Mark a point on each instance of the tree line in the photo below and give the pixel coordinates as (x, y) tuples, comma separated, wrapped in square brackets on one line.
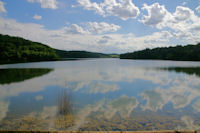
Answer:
[(181, 53), (16, 49)]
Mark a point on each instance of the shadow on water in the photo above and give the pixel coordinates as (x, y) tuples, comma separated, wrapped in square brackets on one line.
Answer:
[(12, 75), (186, 70), (65, 113)]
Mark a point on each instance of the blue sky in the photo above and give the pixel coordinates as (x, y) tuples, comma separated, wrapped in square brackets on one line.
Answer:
[(109, 26)]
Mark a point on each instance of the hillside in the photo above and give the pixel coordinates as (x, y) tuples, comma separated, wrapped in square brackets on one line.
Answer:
[(180, 53), (16, 49), (80, 54)]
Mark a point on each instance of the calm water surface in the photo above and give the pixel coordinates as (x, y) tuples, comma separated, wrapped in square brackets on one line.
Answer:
[(100, 94)]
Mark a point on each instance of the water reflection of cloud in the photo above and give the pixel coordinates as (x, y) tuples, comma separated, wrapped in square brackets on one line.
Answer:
[(85, 112), (3, 109), (180, 93), (33, 85), (154, 100), (129, 74), (124, 105), (92, 87), (47, 116), (179, 85), (84, 76), (38, 98), (180, 101), (179, 89), (196, 106), (76, 86), (100, 87), (46, 113), (189, 124)]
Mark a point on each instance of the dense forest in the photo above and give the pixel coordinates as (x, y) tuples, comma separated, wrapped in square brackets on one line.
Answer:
[(16, 49), (181, 53), (80, 54)]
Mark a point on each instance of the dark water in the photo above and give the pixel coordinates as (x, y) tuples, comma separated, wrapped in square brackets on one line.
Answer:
[(101, 94)]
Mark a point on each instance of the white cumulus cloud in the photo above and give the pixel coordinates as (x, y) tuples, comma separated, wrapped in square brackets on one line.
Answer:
[(88, 5), (2, 8), (182, 13), (124, 9), (77, 37), (198, 9), (75, 29), (46, 3), (101, 27), (92, 28), (183, 22), (156, 15)]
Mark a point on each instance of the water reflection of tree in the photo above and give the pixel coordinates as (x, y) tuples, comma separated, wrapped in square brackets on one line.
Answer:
[(12, 75), (65, 115), (186, 70)]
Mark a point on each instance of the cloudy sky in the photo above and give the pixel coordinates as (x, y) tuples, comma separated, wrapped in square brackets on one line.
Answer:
[(109, 26)]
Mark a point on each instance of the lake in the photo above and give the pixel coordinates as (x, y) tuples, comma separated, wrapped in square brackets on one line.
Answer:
[(100, 94)]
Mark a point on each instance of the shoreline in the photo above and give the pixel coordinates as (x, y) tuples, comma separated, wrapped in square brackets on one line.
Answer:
[(161, 131)]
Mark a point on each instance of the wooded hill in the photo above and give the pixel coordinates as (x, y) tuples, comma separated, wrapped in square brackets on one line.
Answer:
[(80, 54), (16, 49), (180, 53)]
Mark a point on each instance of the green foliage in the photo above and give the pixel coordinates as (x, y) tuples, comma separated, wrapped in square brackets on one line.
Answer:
[(15, 49), (8, 76), (181, 53), (114, 55), (80, 54)]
